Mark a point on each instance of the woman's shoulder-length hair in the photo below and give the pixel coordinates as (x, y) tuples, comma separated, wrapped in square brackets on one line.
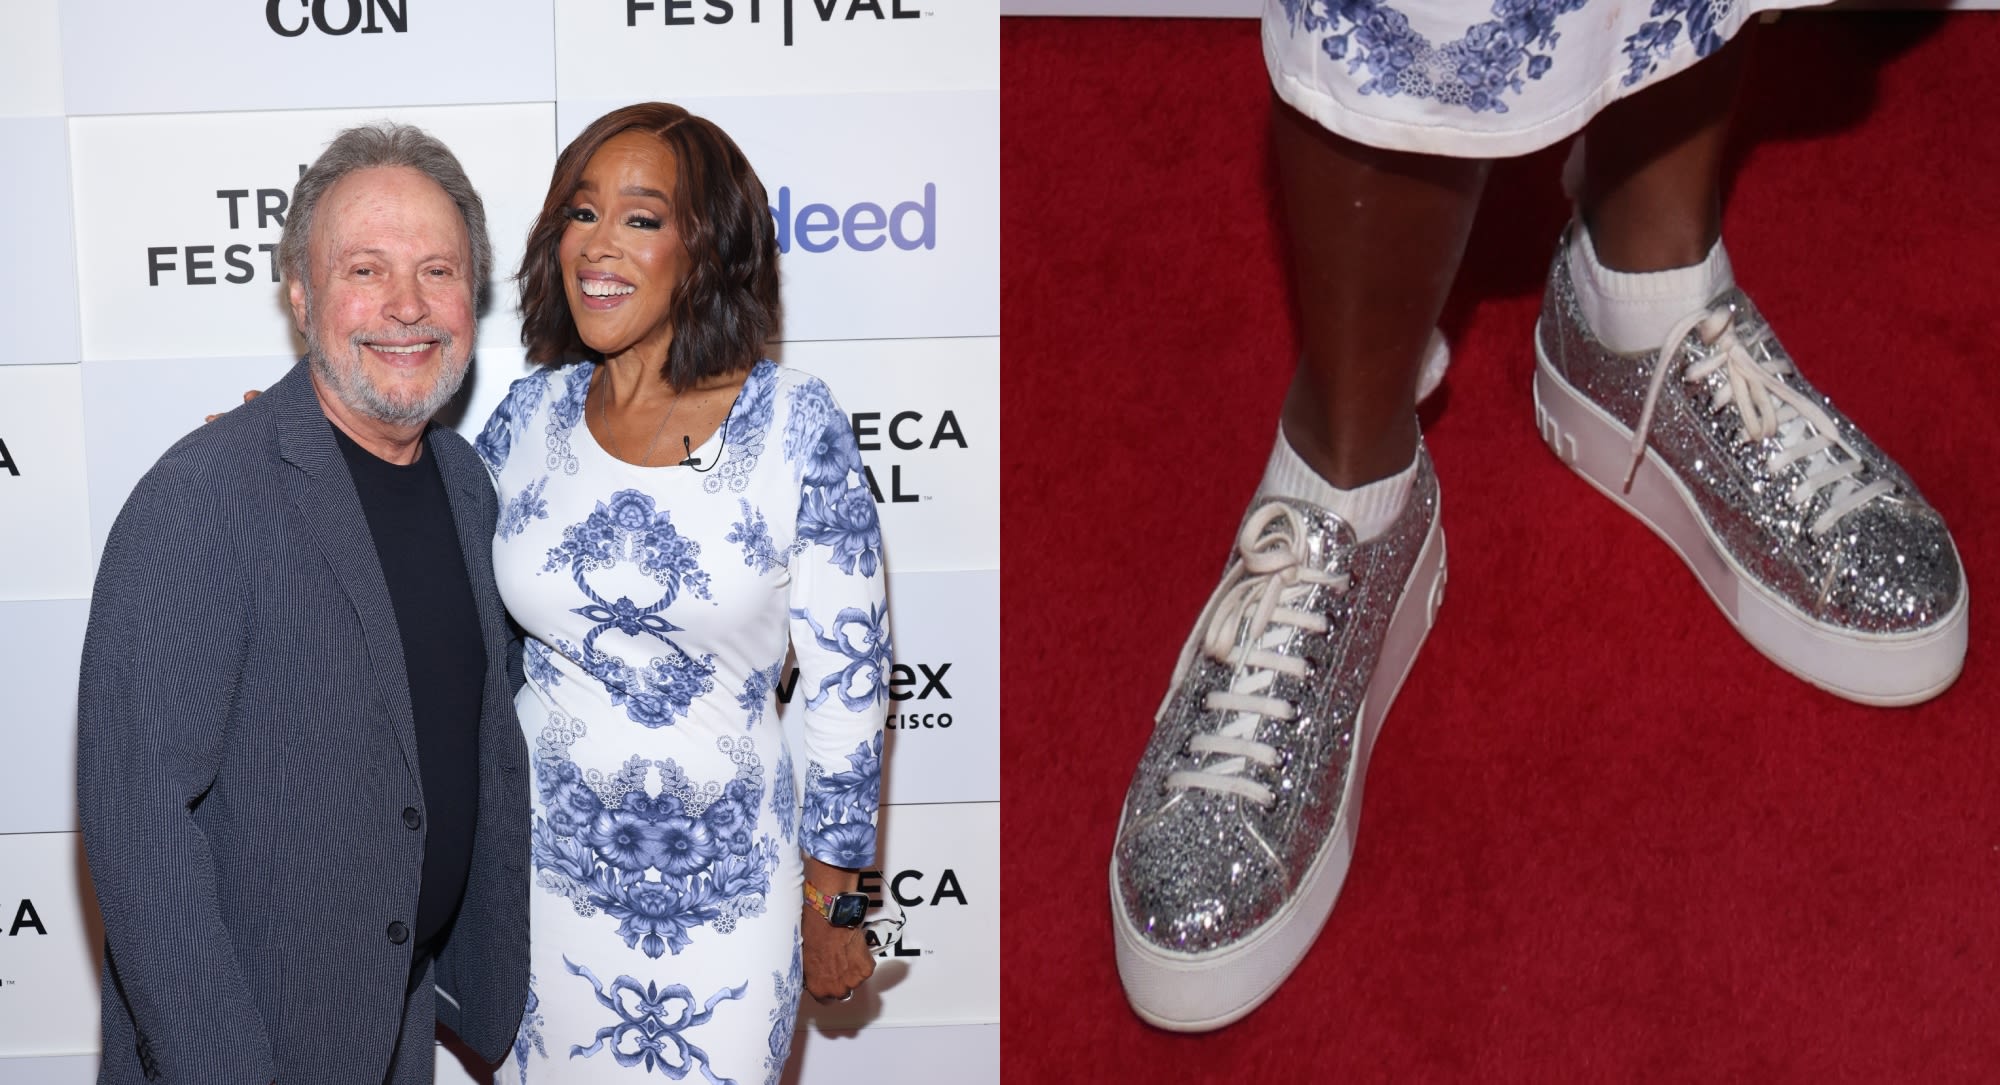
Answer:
[(726, 307)]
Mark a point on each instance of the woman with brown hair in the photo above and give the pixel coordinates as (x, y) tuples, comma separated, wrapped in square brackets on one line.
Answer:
[(677, 512)]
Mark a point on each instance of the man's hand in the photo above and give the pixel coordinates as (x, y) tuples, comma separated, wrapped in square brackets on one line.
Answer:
[(247, 397)]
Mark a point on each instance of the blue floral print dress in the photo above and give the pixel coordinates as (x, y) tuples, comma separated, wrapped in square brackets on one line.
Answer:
[(659, 603), (1483, 78)]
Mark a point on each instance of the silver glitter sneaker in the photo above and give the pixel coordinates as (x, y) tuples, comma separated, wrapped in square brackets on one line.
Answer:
[(1816, 546), (1240, 820)]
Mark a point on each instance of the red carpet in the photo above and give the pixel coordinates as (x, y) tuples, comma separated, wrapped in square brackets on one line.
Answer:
[(1604, 840)]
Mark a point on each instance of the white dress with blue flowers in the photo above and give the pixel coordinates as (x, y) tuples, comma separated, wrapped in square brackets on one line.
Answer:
[(658, 604), (1483, 78)]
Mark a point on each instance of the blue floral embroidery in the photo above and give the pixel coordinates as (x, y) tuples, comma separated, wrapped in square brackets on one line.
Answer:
[(784, 1016), (759, 552), (862, 637), (649, 1018), (1654, 41), (523, 507), (743, 433), (818, 439), (840, 807), (662, 864), (849, 844), (785, 795), (538, 661), (849, 795), (496, 440), (844, 521), (564, 414), (529, 1038), (654, 695), (1475, 72), (628, 529), (756, 690)]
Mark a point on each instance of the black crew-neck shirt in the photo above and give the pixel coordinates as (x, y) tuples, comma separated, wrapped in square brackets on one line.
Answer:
[(416, 540)]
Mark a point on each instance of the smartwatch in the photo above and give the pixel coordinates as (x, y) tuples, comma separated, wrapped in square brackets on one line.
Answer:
[(839, 909)]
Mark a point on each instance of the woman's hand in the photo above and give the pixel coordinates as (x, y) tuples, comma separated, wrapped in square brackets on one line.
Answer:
[(836, 959), (247, 397)]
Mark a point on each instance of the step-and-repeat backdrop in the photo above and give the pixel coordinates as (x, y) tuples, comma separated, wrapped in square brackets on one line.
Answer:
[(148, 151)]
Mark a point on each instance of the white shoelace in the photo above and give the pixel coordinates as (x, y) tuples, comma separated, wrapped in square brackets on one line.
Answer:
[(1770, 408), (1249, 620)]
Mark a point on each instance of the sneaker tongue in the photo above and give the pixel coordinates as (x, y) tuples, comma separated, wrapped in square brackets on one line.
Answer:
[(1327, 541)]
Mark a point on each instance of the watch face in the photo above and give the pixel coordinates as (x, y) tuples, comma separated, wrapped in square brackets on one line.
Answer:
[(849, 909)]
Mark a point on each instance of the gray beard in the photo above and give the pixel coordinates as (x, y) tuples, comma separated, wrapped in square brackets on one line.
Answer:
[(350, 384)]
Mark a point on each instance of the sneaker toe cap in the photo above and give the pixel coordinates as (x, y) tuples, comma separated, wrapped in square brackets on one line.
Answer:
[(1198, 876), (1898, 571)]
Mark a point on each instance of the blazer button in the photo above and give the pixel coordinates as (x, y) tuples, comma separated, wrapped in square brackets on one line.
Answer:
[(411, 818), (398, 934)]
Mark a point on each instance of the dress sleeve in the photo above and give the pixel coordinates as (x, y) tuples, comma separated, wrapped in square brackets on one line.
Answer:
[(840, 635), (162, 658)]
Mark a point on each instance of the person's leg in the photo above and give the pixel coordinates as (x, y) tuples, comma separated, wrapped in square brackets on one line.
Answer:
[(1376, 238), (1238, 824), (1652, 189), (1814, 543)]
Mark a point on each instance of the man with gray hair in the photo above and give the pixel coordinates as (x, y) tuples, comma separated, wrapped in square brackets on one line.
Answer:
[(300, 778)]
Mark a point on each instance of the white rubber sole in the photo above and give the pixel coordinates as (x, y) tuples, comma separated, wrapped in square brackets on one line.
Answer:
[(1203, 992), (1872, 669)]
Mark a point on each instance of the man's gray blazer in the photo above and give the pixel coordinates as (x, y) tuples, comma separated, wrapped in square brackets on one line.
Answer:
[(247, 773)]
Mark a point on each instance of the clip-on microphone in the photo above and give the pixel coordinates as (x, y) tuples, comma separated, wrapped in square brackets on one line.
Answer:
[(688, 447)]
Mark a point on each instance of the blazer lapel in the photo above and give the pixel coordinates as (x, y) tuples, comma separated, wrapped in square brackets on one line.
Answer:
[(323, 492)]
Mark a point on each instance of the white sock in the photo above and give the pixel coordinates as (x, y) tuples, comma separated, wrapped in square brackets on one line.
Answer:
[(1369, 509), (1633, 311)]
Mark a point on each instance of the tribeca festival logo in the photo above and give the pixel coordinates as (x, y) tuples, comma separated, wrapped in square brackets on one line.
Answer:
[(907, 682), (868, 226), (196, 265), (719, 12), (292, 18), (887, 928), (7, 460), (26, 919), (906, 431)]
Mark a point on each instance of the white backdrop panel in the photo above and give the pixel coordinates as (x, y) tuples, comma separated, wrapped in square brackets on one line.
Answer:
[(38, 281), (926, 413), (191, 270), (44, 525), (52, 1070), (30, 61), (936, 897), (41, 643), (1248, 9), (637, 50), (888, 206), (138, 56), (48, 976), (943, 742), (136, 410), (959, 1054)]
